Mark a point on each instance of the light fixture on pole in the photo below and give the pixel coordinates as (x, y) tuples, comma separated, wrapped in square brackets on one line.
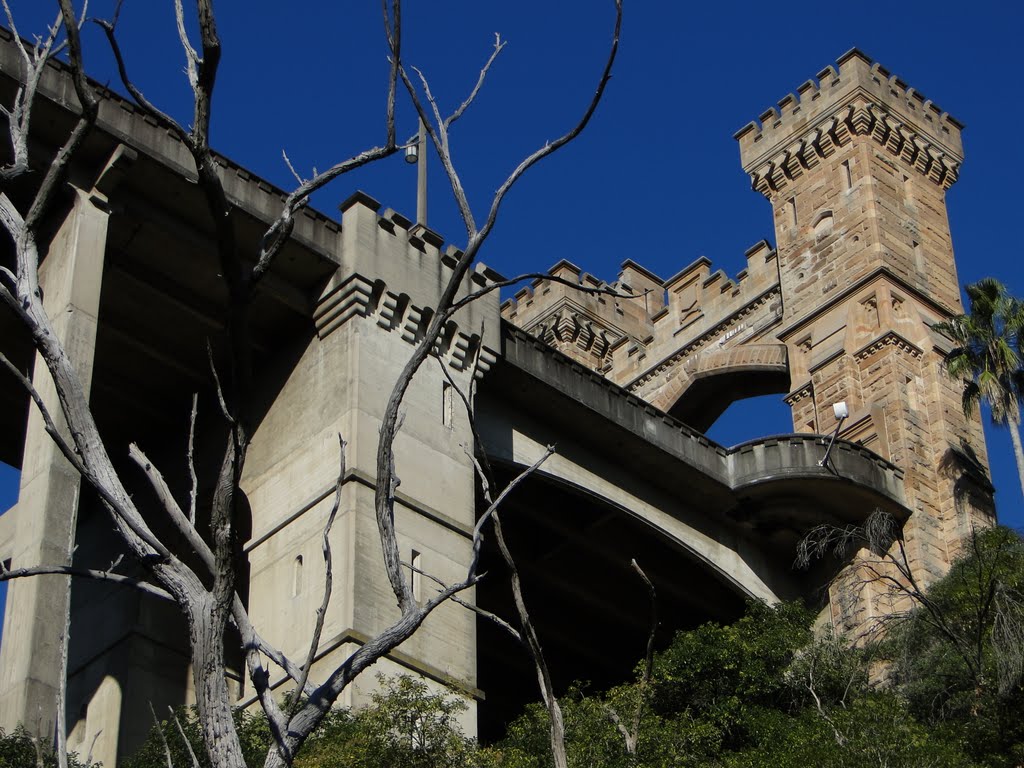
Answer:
[(841, 412), (416, 152)]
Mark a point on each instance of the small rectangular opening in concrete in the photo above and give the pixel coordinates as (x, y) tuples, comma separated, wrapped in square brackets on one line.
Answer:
[(3, 601), (297, 576), (417, 576), (447, 406)]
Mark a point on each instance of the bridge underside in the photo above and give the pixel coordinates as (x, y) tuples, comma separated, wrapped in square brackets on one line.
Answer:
[(711, 526), (590, 609)]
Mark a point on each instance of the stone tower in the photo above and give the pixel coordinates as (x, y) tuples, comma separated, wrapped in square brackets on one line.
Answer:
[(856, 167)]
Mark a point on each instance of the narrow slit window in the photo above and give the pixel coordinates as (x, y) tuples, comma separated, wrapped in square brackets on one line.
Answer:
[(911, 388), (6, 565), (918, 256), (847, 176), (791, 207), (447, 405), (417, 576), (297, 576)]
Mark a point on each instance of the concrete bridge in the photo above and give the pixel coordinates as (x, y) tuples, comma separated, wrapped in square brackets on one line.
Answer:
[(131, 268)]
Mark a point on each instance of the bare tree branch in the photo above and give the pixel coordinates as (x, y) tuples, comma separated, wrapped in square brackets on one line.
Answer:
[(184, 738), (194, 493), (206, 608), (532, 643), (321, 612), (163, 739), (57, 171), (631, 735), (6, 574), (499, 44), (191, 57), (61, 724), (224, 410), (492, 617), (184, 525), (604, 290), (55, 434)]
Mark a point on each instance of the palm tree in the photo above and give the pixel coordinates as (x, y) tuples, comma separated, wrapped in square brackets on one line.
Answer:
[(986, 356)]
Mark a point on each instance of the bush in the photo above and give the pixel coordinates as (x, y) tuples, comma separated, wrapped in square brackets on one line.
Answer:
[(20, 750)]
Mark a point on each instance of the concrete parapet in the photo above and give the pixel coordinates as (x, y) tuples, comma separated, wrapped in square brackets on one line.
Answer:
[(396, 272)]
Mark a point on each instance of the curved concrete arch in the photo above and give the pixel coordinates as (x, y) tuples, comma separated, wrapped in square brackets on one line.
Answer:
[(711, 380), (728, 556)]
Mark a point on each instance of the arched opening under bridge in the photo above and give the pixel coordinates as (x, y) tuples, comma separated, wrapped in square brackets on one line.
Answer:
[(590, 609)]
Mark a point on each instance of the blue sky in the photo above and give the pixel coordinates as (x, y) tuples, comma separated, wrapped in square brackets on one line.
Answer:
[(655, 178)]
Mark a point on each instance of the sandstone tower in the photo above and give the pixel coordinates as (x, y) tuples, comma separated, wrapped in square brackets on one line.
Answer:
[(856, 166)]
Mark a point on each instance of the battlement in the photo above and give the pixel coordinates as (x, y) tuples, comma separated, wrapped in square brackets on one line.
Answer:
[(395, 271), (642, 322), (855, 96)]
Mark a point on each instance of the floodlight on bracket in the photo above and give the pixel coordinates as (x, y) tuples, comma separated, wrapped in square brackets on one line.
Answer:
[(841, 413)]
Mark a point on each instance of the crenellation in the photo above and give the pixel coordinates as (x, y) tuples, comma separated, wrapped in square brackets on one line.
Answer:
[(860, 98)]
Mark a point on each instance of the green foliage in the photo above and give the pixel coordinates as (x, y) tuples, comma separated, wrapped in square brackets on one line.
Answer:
[(958, 660), (760, 693), (721, 672), (763, 692), (406, 726), (874, 729), (253, 734), (985, 357), (19, 750)]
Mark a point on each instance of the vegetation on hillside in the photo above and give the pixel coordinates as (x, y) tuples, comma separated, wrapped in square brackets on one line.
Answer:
[(765, 691)]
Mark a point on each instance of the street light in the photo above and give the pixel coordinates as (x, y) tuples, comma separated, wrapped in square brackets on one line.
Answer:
[(416, 153), (841, 413)]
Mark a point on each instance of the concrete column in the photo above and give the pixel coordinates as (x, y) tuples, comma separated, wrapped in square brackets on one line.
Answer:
[(42, 523)]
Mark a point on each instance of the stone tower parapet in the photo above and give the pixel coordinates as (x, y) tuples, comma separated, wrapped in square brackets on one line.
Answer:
[(647, 333), (856, 96)]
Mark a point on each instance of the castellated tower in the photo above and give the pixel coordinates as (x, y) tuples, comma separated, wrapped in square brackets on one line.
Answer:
[(856, 167)]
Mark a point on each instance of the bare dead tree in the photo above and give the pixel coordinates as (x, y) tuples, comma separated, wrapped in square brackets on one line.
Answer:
[(996, 625), (205, 591), (630, 729)]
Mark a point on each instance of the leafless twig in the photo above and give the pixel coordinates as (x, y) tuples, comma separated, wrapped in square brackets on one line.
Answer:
[(184, 738), (499, 45), (631, 734), (321, 612), (6, 574), (163, 739), (194, 493)]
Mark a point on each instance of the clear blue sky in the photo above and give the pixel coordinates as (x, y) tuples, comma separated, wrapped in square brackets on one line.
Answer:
[(656, 177)]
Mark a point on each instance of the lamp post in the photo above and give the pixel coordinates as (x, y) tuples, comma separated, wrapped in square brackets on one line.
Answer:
[(841, 412), (417, 153)]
